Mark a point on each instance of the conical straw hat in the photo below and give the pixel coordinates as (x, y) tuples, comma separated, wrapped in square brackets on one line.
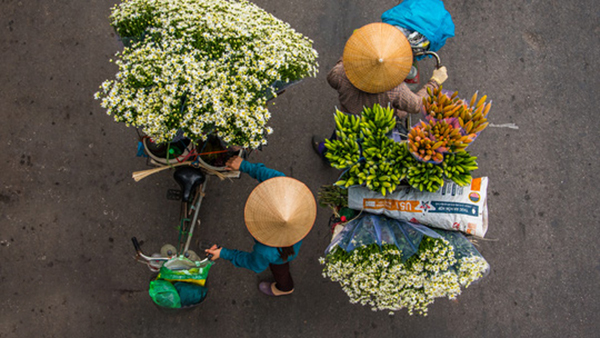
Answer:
[(377, 57), (280, 212)]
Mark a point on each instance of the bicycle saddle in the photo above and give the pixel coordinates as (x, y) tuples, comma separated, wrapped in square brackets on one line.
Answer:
[(188, 178)]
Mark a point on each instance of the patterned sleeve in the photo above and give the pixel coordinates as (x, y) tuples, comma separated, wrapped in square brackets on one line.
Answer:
[(405, 100), (334, 77)]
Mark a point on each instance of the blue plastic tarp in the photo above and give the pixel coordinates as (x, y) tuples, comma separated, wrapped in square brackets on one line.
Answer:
[(369, 229), (428, 17)]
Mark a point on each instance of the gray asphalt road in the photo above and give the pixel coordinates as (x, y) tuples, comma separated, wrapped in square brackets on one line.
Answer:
[(68, 205)]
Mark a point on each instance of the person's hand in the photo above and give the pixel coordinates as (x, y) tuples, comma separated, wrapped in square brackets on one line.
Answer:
[(440, 75), (234, 163), (215, 251)]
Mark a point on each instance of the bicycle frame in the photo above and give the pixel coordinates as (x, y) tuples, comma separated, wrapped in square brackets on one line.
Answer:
[(195, 210), (183, 258)]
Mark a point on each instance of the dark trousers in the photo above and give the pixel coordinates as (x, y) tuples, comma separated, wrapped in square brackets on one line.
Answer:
[(283, 278)]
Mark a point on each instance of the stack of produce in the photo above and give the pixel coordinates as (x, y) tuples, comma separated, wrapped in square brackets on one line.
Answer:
[(202, 67), (389, 264), (458, 167), (365, 150), (451, 125), (435, 149), (378, 266), (472, 117)]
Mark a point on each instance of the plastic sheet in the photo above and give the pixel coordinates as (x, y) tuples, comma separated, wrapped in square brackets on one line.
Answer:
[(428, 17), (369, 229), (184, 270), (406, 236)]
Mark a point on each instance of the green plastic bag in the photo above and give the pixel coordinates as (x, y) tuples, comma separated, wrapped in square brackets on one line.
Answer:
[(196, 274), (164, 294)]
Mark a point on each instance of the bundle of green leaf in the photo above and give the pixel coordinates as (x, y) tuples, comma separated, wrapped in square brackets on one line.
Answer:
[(380, 277), (333, 197), (202, 67)]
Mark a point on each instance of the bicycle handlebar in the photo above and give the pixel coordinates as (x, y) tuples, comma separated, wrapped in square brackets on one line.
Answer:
[(426, 52), (136, 245)]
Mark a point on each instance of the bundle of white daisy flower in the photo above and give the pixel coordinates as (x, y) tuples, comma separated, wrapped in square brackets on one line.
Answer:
[(202, 67), (380, 277)]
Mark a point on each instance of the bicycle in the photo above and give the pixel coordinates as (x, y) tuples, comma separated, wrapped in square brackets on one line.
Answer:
[(179, 263)]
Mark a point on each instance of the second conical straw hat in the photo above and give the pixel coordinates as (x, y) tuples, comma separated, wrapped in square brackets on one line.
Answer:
[(280, 211), (377, 57)]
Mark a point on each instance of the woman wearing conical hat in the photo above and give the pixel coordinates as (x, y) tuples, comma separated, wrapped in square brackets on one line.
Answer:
[(279, 213), (376, 60)]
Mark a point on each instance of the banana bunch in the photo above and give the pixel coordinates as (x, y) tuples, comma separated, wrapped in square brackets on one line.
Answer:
[(382, 177), (350, 177), (343, 152), (472, 116), (458, 167), (377, 120), (448, 132), (383, 168), (474, 121), (377, 147), (423, 146), (346, 125), (440, 106), (405, 159), (380, 171), (332, 196), (424, 176)]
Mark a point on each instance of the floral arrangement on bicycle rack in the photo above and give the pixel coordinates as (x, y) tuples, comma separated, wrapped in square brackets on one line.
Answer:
[(202, 67), (389, 265), (372, 156)]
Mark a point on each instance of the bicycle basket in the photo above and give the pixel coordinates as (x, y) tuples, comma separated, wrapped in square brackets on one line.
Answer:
[(181, 283)]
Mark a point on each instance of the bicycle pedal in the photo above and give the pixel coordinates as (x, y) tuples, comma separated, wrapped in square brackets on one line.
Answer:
[(174, 195)]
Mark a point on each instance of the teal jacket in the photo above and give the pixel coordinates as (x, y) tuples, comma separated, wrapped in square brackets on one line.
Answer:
[(262, 255)]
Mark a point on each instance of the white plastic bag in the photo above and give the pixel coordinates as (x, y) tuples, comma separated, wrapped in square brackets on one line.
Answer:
[(452, 207)]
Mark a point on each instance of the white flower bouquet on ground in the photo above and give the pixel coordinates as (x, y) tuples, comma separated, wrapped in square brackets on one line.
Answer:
[(389, 265), (202, 67)]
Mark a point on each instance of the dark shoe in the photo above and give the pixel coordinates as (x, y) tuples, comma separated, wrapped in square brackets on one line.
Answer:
[(318, 145), (270, 289)]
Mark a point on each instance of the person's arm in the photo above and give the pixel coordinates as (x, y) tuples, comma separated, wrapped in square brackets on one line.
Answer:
[(334, 77), (405, 101), (255, 170), (242, 259)]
